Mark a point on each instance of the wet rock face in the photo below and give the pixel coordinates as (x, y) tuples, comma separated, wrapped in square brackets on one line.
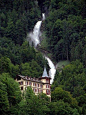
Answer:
[(41, 5), (40, 2), (44, 7)]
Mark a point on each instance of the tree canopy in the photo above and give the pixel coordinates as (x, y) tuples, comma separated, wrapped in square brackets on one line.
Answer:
[(65, 31)]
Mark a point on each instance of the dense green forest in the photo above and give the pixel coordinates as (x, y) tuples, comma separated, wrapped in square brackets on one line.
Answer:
[(65, 31)]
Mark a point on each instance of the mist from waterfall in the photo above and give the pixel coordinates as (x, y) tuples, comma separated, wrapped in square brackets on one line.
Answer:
[(34, 38)]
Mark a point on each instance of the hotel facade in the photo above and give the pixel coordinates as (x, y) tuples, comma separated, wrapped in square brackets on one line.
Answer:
[(38, 85)]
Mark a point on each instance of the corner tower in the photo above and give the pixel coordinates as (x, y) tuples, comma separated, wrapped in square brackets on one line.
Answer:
[(46, 83)]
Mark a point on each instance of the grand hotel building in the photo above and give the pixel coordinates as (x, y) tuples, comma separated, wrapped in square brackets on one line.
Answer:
[(38, 85)]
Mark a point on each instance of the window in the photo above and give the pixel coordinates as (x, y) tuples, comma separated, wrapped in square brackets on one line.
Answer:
[(37, 90), (30, 83), (21, 83), (47, 86), (34, 84), (26, 82), (47, 80), (48, 92), (37, 85), (21, 88), (41, 85), (41, 91)]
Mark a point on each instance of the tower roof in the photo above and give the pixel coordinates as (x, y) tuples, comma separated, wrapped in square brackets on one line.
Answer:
[(45, 73)]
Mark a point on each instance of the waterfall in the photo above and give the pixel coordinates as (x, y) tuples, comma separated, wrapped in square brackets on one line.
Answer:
[(52, 70), (43, 16), (33, 37)]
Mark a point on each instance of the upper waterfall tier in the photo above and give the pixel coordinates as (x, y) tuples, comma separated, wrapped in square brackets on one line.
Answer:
[(36, 32), (43, 16), (34, 36)]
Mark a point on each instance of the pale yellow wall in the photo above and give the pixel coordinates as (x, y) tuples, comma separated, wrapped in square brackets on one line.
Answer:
[(43, 80), (32, 84), (44, 86), (44, 91)]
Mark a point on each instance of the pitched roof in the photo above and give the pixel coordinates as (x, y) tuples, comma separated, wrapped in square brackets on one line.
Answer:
[(45, 73), (30, 79)]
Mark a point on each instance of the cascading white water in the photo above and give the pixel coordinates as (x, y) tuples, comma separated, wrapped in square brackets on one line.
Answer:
[(33, 37), (43, 16), (52, 70)]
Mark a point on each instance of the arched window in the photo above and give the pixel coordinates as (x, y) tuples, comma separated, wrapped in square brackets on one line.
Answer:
[(48, 92)]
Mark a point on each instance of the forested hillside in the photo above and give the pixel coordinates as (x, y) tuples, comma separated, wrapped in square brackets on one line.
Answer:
[(65, 36), (66, 29)]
